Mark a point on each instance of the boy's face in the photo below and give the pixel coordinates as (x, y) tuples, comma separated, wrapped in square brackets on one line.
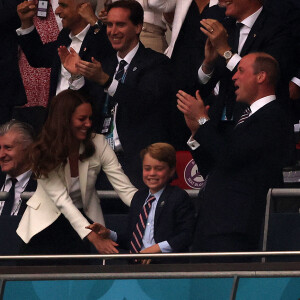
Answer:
[(156, 174)]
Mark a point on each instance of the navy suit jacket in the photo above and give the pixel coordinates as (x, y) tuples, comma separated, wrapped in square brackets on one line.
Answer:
[(41, 55), (173, 221), (143, 102), (11, 85), (9, 240), (268, 35), (241, 168)]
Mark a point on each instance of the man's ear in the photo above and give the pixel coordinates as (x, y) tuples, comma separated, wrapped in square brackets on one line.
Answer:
[(173, 170), (138, 28), (261, 77)]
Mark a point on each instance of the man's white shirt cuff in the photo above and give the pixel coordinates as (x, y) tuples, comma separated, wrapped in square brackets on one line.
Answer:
[(234, 60), (204, 78), (21, 31), (296, 81), (193, 144)]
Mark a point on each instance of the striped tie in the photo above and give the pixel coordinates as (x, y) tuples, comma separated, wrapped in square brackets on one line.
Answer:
[(137, 236), (244, 116)]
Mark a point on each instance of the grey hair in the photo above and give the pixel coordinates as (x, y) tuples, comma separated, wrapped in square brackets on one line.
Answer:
[(24, 129)]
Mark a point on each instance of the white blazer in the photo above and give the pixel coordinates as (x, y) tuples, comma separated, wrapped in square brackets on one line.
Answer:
[(52, 195), (182, 7)]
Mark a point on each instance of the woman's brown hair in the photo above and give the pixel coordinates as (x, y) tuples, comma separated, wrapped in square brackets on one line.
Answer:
[(55, 141)]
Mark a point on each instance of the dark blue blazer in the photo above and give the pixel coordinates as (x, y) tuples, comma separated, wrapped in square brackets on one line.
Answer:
[(95, 44), (269, 35), (173, 221), (241, 167), (143, 106), (11, 85), (10, 242)]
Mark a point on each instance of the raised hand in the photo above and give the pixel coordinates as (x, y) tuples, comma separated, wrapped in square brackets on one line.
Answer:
[(192, 108), (87, 13), (26, 11), (92, 71), (217, 34), (69, 59)]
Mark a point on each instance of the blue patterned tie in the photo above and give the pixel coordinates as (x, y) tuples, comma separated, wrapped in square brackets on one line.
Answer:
[(120, 71)]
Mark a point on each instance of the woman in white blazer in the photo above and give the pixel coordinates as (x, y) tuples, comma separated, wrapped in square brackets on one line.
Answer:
[(66, 160)]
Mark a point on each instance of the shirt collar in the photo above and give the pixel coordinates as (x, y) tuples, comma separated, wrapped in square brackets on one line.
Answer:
[(81, 35), (249, 21), (158, 194), (213, 2), (22, 179), (130, 55), (258, 104)]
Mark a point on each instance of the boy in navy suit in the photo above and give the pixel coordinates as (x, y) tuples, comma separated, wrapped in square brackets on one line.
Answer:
[(161, 217)]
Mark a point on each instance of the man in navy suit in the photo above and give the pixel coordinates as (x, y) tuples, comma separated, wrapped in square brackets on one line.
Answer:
[(249, 27), (242, 165), (137, 97), (11, 85), (81, 31), (15, 139)]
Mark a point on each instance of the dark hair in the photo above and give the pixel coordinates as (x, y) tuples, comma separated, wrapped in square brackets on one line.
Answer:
[(162, 152), (135, 8), (266, 63), (55, 142)]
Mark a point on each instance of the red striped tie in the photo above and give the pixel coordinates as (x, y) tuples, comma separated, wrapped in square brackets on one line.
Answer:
[(137, 236)]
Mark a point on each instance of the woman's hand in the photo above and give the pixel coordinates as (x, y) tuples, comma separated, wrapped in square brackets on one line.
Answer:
[(101, 230), (103, 246)]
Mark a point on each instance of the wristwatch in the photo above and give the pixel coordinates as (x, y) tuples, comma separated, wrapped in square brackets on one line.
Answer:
[(227, 54), (202, 120)]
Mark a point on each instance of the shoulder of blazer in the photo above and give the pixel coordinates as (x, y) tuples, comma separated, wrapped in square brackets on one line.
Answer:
[(173, 192), (2, 178), (147, 56)]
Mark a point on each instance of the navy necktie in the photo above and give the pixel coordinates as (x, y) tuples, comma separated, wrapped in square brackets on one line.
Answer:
[(137, 236), (235, 47), (9, 202), (120, 72)]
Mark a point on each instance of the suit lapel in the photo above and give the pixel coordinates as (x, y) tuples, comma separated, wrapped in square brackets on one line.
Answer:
[(254, 33), (67, 173), (161, 204), (136, 63), (31, 186), (85, 43), (2, 179), (257, 114), (83, 167)]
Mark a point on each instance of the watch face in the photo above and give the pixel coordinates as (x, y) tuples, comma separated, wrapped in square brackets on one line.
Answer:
[(202, 120), (227, 54)]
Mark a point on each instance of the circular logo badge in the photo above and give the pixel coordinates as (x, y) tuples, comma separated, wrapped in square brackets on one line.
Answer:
[(191, 175)]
